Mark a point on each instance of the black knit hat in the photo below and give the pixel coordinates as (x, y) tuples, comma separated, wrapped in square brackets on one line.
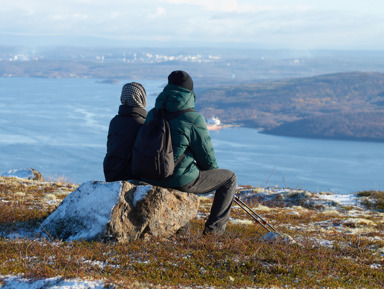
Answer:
[(181, 78)]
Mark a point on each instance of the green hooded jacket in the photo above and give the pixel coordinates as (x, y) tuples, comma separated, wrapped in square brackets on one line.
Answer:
[(189, 134)]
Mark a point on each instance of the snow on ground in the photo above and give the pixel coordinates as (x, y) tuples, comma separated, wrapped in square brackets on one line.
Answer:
[(19, 173), (298, 197), (345, 200), (15, 282)]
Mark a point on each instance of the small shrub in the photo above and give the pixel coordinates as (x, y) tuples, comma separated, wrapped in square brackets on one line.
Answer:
[(372, 199)]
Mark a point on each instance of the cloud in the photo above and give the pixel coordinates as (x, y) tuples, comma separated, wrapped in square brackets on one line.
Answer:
[(70, 17), (262, 22), (115, 14), (212, 5), (242, 6), (160, 12)]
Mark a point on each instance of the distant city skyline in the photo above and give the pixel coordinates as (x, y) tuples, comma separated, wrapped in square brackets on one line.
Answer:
[(259, 24)]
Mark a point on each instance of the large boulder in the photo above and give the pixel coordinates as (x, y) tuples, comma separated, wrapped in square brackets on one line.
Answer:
[(120, 211)]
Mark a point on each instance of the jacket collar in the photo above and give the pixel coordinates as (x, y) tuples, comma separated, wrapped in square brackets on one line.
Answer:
[(132, 111)]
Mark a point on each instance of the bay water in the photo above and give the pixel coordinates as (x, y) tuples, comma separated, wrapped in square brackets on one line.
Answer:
[(59, 127)]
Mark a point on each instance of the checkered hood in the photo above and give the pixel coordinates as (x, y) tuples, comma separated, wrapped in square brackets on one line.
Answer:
[(133, 94)]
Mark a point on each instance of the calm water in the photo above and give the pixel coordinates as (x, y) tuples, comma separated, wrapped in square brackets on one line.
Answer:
[(59, 127)]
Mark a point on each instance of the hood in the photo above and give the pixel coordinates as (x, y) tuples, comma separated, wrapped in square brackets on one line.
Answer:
[(179, 98)]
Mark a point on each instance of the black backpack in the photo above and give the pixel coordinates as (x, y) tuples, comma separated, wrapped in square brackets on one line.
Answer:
[(152, 155)]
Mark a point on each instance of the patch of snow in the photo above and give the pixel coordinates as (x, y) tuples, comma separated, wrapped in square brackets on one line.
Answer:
[(376, 266), (240, 221), (201, 215), (355, 213), (346, 200), (140, 193), (359, 222), (331, 212), (294, 214), (263, 208), (15, 282), (324, 243), (19, 173), (20, 234), (91, 204), (100, 264), (277, 237)]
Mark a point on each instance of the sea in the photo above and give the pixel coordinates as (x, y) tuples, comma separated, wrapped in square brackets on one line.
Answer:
[(59, 127)]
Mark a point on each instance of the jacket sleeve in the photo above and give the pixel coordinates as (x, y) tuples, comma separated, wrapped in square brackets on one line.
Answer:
[(201, 145)]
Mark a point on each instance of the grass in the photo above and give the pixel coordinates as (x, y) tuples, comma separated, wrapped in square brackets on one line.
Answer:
[(328, 255), (373, 199)]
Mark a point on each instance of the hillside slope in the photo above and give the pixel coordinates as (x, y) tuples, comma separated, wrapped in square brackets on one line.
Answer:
[(340, 244), (342, 105)]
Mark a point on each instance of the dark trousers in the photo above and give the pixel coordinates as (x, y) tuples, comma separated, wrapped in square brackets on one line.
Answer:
[(224, 183)]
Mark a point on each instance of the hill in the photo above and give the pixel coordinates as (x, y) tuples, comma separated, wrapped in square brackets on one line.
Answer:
[(348, 126), (341, 105)]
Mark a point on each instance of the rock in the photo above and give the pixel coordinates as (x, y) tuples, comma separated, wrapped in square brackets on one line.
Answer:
[(120, 211), (278, 237), (29, 174), (36, 176), (358, 223), (160, 213)]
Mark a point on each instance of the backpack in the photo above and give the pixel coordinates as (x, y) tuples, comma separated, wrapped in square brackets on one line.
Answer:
[(152, 154)]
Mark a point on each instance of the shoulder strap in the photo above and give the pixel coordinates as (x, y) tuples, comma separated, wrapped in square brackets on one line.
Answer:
[(170, 115), (180, 158), (173, 115)]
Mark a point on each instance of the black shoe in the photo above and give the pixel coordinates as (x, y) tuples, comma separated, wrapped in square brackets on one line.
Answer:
[(210, 232)]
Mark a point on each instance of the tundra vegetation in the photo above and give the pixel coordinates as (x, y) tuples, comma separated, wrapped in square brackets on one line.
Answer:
[(338, 246)]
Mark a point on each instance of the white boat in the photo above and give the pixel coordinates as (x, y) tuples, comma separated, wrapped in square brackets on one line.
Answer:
[(214, 123)]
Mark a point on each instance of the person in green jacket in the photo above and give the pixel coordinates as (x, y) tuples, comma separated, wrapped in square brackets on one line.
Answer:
[(198, 171)]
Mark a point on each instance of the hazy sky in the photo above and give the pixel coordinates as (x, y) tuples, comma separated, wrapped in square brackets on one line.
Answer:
[(309, 24)]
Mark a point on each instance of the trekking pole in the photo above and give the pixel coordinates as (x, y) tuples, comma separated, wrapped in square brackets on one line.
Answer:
[(254, 215)]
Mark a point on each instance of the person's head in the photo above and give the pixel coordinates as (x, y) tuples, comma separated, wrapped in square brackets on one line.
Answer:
[(133, 94), (180, 78)]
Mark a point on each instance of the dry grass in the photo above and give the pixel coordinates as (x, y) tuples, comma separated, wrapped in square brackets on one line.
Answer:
[(373, 199), (330, 254)]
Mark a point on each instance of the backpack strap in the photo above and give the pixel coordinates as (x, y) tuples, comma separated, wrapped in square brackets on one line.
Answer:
[(173, 115), (180, 158), (170, 115)]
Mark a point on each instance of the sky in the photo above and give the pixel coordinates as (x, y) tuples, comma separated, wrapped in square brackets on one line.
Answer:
[(294, 24)]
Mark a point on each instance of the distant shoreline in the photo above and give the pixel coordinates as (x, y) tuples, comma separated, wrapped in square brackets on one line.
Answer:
[(337, 138), (341, 138)]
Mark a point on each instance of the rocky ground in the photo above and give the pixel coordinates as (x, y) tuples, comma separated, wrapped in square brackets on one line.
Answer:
[(339, 242)]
